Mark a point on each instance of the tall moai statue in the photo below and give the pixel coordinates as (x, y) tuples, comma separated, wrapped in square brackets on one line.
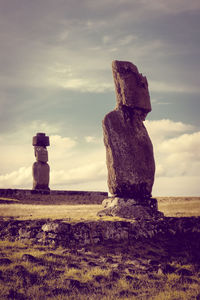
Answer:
[(129, 151), (40, 167)]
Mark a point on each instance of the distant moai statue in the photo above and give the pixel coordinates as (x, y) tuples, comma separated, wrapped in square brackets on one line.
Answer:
[(40, 167)]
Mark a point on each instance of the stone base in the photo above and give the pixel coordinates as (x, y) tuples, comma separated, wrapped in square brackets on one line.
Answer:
[(41, 187), (131, 208)]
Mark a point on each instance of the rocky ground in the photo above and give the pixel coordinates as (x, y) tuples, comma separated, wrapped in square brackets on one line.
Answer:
[(35, 264)]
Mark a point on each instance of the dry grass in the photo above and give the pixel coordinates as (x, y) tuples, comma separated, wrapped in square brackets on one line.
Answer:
[(171, 206), (62, 274), (56, 270), (25, 211)]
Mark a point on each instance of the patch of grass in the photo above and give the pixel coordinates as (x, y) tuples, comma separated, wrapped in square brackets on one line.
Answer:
[(66, 274), (171, 206), (8, 200), (179, 206)]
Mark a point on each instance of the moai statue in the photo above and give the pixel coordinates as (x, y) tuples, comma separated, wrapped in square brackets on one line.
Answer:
[(40, 167), (129, 151)]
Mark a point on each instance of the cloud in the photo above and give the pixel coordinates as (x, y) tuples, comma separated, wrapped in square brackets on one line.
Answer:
[(89, 173), (181, 155), (93, 140), (160, 130), (74, 164), (61, 150), (176, 152), (177, 157), (144, 8), (59, 143), (169, 87), (90, 139), (19, 178), (183, 186), (65, 46), (87, 85), (171, 6)]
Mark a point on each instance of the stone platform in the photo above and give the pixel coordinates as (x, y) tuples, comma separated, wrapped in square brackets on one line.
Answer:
[(83, 233), (53, 196), (131, 208)]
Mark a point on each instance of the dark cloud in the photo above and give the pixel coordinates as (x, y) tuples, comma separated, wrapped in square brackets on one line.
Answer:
[(51, 48)]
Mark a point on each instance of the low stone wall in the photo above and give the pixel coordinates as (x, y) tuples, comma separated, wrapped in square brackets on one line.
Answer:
[(53, 196), (81, 234)]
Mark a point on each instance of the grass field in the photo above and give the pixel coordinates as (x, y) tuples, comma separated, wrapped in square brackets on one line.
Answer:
[(37, 272), (174, 207), (148, 270)]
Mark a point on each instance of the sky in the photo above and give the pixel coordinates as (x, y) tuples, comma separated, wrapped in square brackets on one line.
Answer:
[(56, 77)]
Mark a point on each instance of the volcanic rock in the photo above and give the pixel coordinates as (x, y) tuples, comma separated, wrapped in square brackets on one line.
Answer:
[(40, 167), (129, 151)]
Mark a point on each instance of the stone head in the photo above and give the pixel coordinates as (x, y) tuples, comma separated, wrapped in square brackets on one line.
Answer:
[(131, 86), (41, 154)]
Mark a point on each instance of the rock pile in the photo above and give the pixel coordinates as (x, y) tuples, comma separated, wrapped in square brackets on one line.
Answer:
[(129, 151), (40, 167)]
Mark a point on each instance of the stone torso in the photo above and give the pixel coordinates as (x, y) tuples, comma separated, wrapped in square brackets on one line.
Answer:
[(129, 154), (40, 176)]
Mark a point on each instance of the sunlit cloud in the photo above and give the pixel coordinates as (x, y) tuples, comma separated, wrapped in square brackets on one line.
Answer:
[(158, 86), (176, 154), (160, 130), (93, 140), (19, 178), (87, 85)]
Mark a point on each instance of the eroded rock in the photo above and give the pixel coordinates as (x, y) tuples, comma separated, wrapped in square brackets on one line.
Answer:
[(130, 208), (131, 87)]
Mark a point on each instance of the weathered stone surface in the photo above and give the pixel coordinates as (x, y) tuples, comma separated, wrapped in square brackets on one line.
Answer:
[(129, 151), (29, 258), (41, 176), (100, 232), (129, 154), (41, 154), (56, 227), (116, 201), (131, 87), (41, 140), (130, 208), (40, 167)]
